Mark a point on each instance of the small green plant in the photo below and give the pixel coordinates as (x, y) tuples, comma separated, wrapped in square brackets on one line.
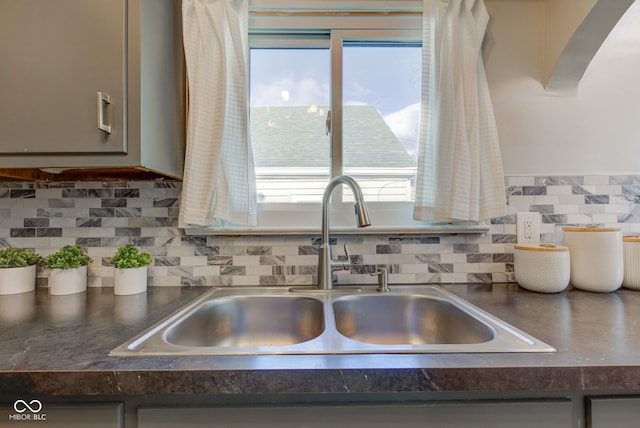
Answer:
[(128, 256), (18, 257), (68, 257)]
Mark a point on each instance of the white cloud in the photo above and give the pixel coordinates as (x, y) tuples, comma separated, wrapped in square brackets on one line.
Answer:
[(300, 93), (356, 90), (355, 103), (405, 124)]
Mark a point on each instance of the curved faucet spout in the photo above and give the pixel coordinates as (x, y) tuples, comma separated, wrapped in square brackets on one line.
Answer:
[(361, 207), (326, 265)]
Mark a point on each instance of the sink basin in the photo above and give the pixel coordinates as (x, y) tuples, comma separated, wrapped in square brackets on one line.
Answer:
[(249, 321), (407, 319), (274, 320)]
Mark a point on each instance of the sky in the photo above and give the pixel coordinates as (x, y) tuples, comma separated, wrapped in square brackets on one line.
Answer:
[(388, 78)]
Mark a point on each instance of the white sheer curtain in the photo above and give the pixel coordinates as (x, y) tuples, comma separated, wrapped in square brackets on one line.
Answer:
[(460, 175), (219, 186)]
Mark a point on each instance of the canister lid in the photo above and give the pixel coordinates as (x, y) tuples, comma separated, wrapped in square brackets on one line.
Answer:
[(590, 229), (631, 238), (541, 247)]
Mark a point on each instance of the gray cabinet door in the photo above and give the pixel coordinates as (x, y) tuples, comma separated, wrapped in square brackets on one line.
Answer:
[(613, 412), (55, 56), (503, 414), (29, 412)]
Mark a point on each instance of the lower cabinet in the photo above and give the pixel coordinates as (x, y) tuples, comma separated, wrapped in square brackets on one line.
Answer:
[(490, 414), (29, 412), (599, 412), (613, 412)]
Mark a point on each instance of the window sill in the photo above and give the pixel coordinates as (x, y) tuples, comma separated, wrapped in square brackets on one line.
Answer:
[(310, 231), (305, 219)]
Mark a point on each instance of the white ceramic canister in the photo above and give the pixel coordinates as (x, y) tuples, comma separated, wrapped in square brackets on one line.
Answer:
[(631, 249), (596, 257), (544, 268)]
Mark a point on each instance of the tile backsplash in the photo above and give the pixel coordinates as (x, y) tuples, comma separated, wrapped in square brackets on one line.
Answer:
[(100, 216)]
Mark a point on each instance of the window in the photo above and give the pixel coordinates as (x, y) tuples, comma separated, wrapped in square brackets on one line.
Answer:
[(289, 96), (334, 94), (381, 85), (293, 123)]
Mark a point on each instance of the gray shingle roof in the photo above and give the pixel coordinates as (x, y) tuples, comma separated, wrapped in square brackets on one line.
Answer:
[(369, 142)]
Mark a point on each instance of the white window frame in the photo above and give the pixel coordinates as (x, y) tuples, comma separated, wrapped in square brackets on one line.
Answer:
[(361, 22)]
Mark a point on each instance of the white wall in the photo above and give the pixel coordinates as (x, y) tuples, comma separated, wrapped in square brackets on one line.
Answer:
[(596, 131)]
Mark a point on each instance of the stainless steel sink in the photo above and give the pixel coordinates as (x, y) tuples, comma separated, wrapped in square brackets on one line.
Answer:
[(249, 321), (407, 319), (273, 320)]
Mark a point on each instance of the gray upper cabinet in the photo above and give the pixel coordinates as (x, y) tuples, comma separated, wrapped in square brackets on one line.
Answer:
[(56, 56), (91, 83)]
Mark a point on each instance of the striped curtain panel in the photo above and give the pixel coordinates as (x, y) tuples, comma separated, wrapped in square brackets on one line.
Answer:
[(219, 187), (460, 175)]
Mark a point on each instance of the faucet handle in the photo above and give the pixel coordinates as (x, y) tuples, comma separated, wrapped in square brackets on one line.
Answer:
[(340, 264), (347, 253), (383, 280)]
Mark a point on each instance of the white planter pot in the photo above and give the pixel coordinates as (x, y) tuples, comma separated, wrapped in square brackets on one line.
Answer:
[(17, 280), (67, 281), (130, 281)]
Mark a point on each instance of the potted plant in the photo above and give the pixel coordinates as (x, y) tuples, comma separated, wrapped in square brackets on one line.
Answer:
[(18, 270), (130, 276), (68, 270)]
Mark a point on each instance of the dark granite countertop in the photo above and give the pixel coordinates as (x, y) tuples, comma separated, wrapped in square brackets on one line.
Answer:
[(59, 345)]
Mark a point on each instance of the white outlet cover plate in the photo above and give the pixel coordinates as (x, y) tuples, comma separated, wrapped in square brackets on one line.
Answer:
[(528, 228)]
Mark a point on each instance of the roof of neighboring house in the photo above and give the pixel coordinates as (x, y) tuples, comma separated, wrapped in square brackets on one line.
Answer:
[(369, 142)]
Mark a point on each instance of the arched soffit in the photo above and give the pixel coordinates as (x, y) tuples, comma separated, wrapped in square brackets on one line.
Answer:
[(583, 45)]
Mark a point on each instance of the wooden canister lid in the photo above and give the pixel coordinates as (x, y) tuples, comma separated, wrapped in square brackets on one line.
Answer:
[(590, 229), (541, 247), (631, 238)]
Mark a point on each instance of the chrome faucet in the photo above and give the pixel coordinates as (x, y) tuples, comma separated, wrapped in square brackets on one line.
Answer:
[(326, 265)]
